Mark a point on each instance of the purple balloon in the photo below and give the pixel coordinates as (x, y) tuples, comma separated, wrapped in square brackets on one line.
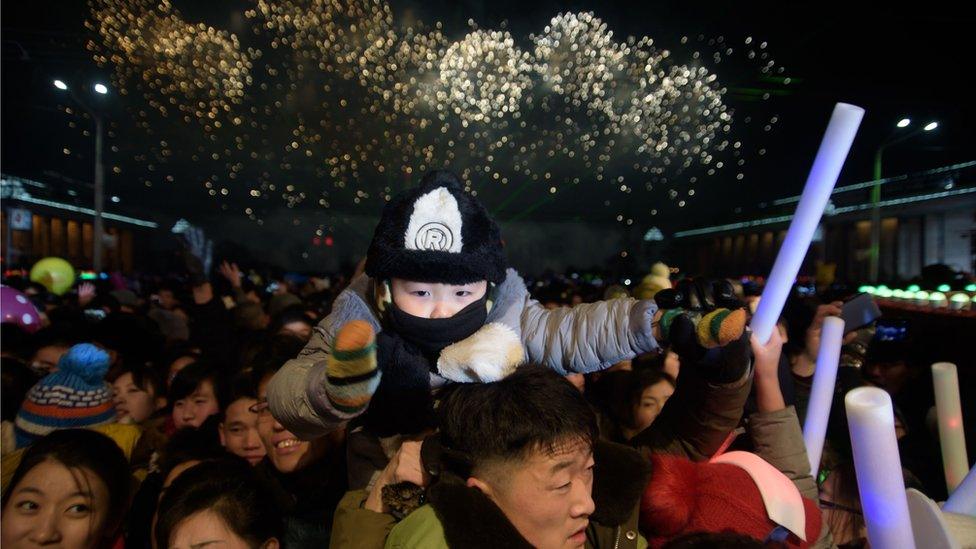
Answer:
[(17, 309)]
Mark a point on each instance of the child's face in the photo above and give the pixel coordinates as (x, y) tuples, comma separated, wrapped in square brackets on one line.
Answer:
[(435, 300)]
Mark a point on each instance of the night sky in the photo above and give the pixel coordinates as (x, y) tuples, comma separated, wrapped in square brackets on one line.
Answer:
[(895, 63)]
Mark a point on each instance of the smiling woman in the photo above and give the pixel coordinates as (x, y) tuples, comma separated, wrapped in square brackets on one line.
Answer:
[(70, 490)]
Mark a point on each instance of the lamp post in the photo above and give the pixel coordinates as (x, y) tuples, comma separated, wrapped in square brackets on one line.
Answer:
[(890, 141), (98, 229)]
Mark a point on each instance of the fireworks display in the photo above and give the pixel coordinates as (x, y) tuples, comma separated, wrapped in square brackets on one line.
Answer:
[(331, 104), (483, 77)]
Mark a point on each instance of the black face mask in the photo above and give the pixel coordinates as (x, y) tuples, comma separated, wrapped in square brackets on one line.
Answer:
[(431, 335)]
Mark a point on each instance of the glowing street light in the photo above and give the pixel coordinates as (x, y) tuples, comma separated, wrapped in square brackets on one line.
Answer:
[(875, 251), (98, 229)]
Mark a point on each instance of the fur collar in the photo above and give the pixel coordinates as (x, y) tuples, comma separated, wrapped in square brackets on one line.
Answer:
[(490, 354), (472, 520)]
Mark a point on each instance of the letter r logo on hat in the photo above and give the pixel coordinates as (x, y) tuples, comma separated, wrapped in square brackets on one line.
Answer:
[(434, 236), (435, 224)]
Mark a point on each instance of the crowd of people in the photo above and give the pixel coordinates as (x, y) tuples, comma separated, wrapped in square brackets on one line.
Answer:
[(434, 399)]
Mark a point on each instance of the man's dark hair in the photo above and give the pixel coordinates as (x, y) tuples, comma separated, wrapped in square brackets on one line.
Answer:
[(533, 409), (229, 489), (240, 385), (270, 353)]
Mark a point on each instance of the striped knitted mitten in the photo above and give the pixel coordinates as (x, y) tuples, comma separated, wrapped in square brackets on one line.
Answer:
[(351, 372)]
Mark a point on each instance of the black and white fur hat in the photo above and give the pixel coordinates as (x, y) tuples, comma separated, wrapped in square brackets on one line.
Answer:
[(436, 232)]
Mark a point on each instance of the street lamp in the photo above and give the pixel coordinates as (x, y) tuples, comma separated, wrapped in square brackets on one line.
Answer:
[(891, 140), (98, 229)]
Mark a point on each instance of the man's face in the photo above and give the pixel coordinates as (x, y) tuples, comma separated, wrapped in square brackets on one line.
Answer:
[(239, 431), (435, 300), (547, 497), (285, 450)]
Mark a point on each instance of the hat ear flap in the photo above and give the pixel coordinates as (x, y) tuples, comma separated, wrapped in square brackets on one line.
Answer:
[(384, 295)]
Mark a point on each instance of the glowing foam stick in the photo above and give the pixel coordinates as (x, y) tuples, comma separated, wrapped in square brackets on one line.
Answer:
[(945, 380), (820, 183), (871, 420), (822, 392), (963, 499)]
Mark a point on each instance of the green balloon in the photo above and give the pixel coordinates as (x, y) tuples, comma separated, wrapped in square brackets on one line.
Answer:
[(54, 273)]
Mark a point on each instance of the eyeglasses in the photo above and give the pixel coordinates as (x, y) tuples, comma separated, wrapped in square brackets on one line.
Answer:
[(262, 409)]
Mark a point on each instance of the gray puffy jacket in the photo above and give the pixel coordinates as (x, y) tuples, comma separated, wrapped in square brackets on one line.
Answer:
[(584, 338)]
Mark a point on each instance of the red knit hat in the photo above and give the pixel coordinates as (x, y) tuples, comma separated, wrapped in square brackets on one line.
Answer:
[(684, 497)]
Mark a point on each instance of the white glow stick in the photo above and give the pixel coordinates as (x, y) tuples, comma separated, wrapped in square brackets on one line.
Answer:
[(963, 498), (955, 462), (871, 420), (820, 183), (822, 392)]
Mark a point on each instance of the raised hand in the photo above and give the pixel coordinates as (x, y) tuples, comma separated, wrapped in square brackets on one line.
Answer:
[(812, 342), (231, 272), (699, 313), (767, 356), (404, 466), (200, 247), (86, 293), (769, 395)]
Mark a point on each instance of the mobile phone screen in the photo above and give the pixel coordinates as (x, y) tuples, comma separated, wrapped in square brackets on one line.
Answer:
[(892, 330)]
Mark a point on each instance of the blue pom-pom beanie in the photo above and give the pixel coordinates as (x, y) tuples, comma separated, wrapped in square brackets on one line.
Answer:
[(75, 396)]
